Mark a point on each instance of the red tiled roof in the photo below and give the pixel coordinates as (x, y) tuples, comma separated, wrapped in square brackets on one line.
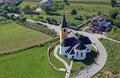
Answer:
[(9, 0)]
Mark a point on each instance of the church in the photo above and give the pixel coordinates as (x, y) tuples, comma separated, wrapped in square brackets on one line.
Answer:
[(71, 46)]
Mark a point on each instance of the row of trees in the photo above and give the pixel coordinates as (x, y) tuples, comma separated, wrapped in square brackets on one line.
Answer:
[(52, 9), (27, 9), (114, 17), (113, 3)]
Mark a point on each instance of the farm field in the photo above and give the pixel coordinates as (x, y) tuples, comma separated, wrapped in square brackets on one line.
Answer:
[(14, 37), (112, 65), (31, 63)]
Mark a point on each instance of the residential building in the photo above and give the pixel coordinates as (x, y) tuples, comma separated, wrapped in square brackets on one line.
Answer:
[(99, 24), (11, 2)]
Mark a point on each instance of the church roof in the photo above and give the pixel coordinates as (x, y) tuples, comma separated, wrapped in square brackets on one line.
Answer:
[(85, 40), (72, 41), (72, 51), (63, 22), (80, 46)]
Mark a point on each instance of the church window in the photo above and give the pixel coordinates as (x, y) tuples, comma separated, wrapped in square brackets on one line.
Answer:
[(77, 54), (64, 30), (87, 49), (81, 54)]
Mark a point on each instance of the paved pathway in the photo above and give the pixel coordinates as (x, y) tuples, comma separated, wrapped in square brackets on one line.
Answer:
[(102, 36), (68, 68), (102, 57)]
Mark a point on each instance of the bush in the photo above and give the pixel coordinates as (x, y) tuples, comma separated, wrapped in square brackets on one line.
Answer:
[(73, 12), (113, 13)]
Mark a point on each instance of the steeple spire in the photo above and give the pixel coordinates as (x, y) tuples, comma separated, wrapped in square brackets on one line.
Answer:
[(63, 22)]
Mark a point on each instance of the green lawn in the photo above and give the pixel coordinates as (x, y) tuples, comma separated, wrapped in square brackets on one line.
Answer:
[(14, 36), (113, 62), (114, 33), (80, 65), (31, 3), (55, 61), (31, 63)]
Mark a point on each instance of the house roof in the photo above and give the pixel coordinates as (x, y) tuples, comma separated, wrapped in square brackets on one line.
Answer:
[(80, 46), (104, 23), (63, 22), (10, 0), (85, 40)]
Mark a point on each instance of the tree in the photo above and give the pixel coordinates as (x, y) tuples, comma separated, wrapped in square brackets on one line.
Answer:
[(73, 12), (113, 3), (65, 1), (27, 9), (33, 8), (113, 13)]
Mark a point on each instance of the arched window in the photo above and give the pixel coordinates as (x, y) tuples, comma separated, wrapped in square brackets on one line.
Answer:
[(77, 54), (64, 30), (81, 54)]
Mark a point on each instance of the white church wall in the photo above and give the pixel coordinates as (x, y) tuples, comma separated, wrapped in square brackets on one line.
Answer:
[(89, 47), (70, 56), (81, 54), (63, 50)]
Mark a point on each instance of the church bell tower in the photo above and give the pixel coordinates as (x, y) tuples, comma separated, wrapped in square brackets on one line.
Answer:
[(63, 29)]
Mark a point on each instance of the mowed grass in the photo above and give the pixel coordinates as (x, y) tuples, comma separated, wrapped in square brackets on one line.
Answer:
[(31, 3), (14, 36), (114, 33), (112, 66), (31, 63)]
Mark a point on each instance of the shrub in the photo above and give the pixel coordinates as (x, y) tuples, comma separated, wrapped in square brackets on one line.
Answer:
[(73, 12)]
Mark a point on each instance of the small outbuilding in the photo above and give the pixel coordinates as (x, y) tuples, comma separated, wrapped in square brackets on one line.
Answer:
[(11, 2), (43, 2)]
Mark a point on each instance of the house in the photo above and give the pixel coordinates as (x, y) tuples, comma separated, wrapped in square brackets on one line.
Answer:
[(11, 2), (70, 45), (1, 1), (42, 3), (100, 24)]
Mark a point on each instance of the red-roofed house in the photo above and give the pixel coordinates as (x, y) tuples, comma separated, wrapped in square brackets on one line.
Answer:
[(11, 2)]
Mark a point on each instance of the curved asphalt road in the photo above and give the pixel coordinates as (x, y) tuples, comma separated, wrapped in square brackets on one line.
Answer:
[(102, 57)]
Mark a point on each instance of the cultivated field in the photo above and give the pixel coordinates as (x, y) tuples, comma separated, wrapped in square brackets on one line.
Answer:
[(14, 36)]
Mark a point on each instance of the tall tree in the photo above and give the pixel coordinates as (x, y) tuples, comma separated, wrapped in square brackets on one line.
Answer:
[(27, 9), (65, 1), (113, 3)]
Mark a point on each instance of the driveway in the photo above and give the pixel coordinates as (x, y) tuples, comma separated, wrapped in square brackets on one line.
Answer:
[(102, 57)]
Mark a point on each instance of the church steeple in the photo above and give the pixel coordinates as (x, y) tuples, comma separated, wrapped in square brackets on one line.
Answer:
[(63, 29), (63, 22)]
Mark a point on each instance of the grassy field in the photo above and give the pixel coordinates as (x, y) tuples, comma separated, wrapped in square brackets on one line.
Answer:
[(31, 63), (112, 67), (31, 3), (14, 36), (114, 33), (91, 0), (80, 65), (55, 61)]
